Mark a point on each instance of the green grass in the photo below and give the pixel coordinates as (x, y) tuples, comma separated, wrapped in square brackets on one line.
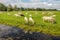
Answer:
[(48, 28)]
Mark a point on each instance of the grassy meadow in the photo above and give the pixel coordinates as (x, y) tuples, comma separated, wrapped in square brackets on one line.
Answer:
[(46, 27)]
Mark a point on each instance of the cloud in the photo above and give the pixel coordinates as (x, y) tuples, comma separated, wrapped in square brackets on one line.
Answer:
[(34, 0), (33, 3), (4, 0), (50, 4)]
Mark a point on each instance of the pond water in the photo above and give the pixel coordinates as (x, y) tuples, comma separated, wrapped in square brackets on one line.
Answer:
[(14, 33)]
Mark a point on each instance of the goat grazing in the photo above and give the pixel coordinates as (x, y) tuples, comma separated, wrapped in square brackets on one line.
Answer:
[(31, 20), (26, 20), (48, 18)]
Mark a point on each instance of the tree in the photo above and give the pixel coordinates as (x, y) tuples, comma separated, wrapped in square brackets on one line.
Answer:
[(2, 7), (15, 8), (9, 8)]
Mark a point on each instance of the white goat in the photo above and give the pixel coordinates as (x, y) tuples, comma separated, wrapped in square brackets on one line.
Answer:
[(30, 15), (31, 20), (8, 14), (51, 13), (17, 15), (21, 14), (48, 18), (43, 13), (26, 19), (26, 13)]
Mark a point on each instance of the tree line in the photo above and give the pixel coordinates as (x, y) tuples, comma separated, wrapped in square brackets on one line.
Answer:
[(15, 8)]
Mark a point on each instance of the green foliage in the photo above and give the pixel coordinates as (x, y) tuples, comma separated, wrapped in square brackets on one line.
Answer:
[(9, 8), (15, 8), (2, 7)]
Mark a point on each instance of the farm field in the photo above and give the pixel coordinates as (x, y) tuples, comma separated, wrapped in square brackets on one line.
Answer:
[(39, 26)]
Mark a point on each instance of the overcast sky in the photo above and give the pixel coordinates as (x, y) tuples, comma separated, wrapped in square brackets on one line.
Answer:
[(33, 3)]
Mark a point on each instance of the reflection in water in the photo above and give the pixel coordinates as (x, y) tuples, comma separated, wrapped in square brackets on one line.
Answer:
[(14, 33)]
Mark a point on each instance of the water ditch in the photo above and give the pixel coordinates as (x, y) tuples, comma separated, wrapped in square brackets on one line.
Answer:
[(14, 33)]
